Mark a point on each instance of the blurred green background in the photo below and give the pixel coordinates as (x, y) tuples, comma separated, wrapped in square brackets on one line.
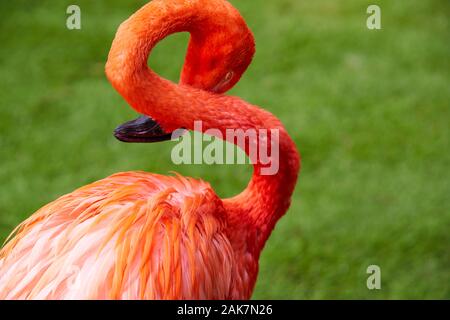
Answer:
[(369, 111)]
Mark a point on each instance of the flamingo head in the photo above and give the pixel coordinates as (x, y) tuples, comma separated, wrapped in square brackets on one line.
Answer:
[(216, 61), (218, 54)]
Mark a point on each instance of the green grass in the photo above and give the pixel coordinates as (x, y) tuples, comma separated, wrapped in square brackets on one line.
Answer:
[(369, 111)]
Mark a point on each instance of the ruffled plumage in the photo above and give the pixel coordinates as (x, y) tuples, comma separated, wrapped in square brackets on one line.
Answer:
[(130, 236)]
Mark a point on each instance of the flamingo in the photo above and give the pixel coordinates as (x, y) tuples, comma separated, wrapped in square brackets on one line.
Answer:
[(138, 235)]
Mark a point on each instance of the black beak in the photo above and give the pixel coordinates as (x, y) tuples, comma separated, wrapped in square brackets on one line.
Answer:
[(141, 130)]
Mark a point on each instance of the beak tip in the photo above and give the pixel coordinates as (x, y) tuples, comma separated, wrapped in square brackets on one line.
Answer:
[(119, 135)]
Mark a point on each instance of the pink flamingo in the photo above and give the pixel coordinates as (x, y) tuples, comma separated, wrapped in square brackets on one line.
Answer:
[(138, 235)]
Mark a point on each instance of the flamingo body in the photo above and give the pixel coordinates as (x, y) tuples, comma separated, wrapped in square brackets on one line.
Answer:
[(129, 236)]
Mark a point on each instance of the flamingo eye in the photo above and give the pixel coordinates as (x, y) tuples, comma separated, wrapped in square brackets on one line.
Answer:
[(229, 76)]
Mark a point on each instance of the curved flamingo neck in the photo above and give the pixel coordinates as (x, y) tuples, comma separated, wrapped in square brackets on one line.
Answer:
[(267, 197)]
